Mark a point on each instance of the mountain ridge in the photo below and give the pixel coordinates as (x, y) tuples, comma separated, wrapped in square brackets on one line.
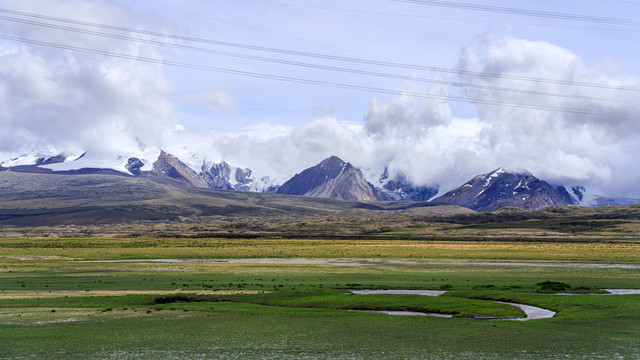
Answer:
[(331, 178), (499, 188)]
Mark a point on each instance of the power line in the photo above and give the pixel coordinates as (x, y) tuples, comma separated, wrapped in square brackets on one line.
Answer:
[(320, 56), (414, 15), (306, 65), (525, 12), (305, 81), (254, 28)]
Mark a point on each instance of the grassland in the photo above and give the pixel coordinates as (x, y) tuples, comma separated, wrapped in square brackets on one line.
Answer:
[(109, 267), (85, 298)]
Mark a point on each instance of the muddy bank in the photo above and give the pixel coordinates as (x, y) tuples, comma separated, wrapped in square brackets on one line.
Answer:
[(405, 313), (398, 292)]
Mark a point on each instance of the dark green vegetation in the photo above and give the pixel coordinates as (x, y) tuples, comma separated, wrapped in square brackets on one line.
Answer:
[(54, 304)]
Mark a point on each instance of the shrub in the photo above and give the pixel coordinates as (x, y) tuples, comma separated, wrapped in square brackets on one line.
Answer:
[(553, 286), (484, 287)]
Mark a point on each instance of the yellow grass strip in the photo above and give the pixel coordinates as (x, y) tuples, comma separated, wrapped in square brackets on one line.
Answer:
[(58, 294)]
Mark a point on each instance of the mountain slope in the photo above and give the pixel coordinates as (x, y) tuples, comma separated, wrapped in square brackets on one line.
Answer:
[(332, 178), (499, 188), (31, 199)]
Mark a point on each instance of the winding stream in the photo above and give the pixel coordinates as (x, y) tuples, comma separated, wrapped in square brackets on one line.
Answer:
[(531, 312)]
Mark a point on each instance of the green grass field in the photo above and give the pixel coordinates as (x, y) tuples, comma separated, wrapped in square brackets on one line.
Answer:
[(83, 298)]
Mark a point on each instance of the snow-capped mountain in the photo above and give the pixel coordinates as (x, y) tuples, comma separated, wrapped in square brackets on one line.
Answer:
[(584, 197), (226, 177), (97, 160), (500, 188), (36, 158), (400, 188), (332, 178)]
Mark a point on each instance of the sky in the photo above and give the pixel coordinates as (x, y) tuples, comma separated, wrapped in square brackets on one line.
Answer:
[(437, 90)]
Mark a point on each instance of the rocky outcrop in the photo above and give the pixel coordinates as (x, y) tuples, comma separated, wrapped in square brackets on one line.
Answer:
[(168, 169), (51, 160), (134, 165)]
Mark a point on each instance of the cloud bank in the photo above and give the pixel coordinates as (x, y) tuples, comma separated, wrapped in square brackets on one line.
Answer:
[(52, 98), (56, 100), (564, 133)]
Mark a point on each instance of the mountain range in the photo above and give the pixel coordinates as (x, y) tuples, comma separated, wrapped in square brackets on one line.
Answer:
[(331, 178)]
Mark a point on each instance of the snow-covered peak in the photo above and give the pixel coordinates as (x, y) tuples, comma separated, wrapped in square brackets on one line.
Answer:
[(33, 158), (114, 161), (583, 196), (224, 176), (495, 173)]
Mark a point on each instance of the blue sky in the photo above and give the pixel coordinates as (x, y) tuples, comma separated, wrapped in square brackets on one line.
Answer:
[(378, 30), (564, 106)]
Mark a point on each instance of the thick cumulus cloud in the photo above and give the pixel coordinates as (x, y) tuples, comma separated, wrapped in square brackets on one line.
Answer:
[(557, 126), (406, 116), (282, 152), (77, 101)]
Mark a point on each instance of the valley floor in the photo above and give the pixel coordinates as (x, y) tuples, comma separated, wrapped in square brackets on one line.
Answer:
[(97, 298)]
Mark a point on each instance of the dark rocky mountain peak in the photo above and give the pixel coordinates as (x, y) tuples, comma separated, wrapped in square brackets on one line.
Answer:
[(168, 169), (500, 188), (134, 165), (331, 178)]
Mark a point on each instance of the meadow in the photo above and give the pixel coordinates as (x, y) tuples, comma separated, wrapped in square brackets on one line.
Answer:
[(111, 297)]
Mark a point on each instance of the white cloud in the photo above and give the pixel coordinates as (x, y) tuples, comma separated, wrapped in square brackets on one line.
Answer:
[(406, 115), (78, 101), (420, 138), (582, 135)]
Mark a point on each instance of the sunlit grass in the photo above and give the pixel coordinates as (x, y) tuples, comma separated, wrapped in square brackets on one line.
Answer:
[(54, 304), (118, 249)]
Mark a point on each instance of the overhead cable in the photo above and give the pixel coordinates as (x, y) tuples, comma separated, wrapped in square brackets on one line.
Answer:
[(323, 56), (309, 81), (308, 65), (525, 12)]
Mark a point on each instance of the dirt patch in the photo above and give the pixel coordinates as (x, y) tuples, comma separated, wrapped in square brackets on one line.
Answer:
[(405, 313), (399, 292), (48, 316), (33, 258)]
